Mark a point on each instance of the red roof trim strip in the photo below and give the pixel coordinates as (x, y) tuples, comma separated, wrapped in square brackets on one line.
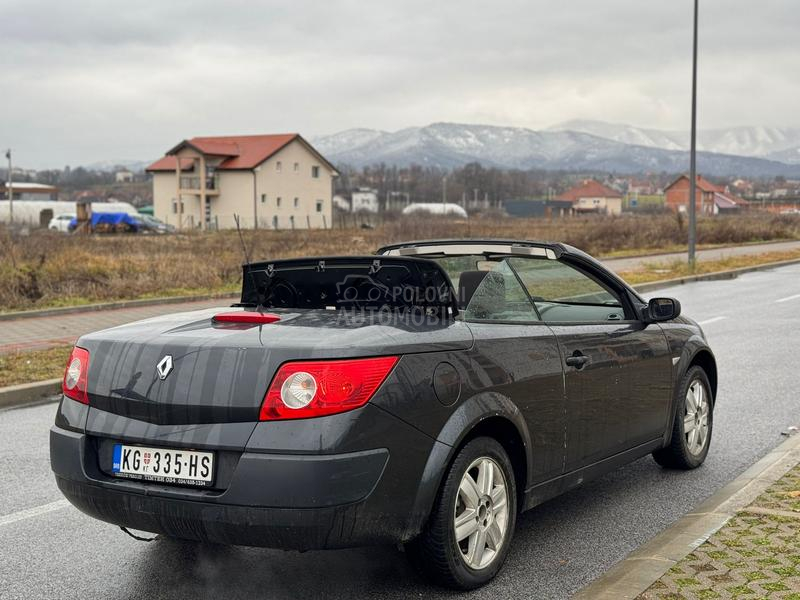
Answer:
[(246, 316)]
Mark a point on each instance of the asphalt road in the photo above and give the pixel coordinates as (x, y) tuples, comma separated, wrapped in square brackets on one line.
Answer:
[(50, 550)]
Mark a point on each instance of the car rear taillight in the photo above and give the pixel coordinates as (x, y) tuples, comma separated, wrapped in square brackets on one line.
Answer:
[(76, 374), (306, 389)]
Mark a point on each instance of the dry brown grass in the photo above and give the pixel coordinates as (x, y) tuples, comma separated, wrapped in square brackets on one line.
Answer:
[(27, 366), (47, 269), (657, 271)]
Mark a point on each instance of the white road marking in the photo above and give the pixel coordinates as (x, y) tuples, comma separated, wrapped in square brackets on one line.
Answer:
[(33, 512), (795, 297), (712, 320)]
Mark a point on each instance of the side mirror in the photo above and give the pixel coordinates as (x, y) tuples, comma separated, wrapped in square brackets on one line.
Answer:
[(662, 309)]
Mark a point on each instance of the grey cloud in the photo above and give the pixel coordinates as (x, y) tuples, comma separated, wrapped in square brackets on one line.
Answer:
[(93, 80)]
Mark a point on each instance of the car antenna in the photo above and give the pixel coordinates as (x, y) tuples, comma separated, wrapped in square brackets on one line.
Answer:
[(247, 261)]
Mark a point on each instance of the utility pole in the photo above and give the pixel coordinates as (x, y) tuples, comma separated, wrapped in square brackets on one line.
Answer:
[(693, 151), (10, 189), (444, 193)]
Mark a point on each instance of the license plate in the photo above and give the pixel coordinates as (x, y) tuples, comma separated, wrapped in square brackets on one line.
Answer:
[(163, 465)]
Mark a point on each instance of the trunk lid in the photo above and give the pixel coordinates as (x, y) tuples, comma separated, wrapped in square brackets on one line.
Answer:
[(220, 372)]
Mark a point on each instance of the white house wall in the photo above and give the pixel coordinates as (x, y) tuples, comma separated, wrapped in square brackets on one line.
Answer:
[(237, 194)]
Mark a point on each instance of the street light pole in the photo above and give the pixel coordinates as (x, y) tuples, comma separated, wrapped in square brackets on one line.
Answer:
[(10, 190), (693, 151)]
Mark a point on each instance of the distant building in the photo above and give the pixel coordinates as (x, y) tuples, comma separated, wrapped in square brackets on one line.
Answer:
[(37, 213), (435, 208), (641, 187), (269, 181), (123, 176), (743, 186), (593, 197), (364, 200), (341, 203), (29, 191), (710, 199), (537, 208)]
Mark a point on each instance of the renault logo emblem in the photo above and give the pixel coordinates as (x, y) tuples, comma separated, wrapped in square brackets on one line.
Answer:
[(164, 367)]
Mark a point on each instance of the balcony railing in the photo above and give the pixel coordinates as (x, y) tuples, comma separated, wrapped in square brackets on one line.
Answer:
[(193, 183)]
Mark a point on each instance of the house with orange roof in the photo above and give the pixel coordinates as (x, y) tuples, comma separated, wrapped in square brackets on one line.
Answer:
[(591, 196), (275, 181), (710, 199)]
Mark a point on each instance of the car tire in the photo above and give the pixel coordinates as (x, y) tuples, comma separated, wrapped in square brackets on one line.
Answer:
[(692, 425), (436, 553)]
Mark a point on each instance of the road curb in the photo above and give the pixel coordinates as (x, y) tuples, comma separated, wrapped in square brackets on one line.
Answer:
[(645, 565), (651, 286), (66, 310), (28, 393)]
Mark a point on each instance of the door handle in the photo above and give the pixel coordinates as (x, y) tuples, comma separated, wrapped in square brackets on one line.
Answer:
[(577, 360)]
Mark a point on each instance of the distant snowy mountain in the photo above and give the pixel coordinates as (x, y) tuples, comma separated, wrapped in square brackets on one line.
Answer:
[(448, 145), (627, 134), (762, 142), (350, 138)]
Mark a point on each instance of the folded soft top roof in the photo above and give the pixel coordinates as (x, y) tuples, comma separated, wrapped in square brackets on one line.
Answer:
[(349, 282)]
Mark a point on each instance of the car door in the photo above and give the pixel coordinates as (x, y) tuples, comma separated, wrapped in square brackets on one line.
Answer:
[(617, 369), (516, 355)]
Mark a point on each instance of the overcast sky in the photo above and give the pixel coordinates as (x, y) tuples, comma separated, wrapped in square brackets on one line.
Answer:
[(95, 80)]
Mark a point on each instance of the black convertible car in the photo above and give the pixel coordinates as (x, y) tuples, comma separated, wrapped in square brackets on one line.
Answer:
[(424, 395)]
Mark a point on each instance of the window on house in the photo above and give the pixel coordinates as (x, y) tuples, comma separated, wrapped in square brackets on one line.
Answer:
[(315, 172), (296, 167), (278, 166), (278, 202), (319, 205), (263, 198), (296, 202), (174, 207)]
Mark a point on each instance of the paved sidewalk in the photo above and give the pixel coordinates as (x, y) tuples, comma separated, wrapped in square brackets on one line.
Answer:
[(36, 333), (635, 262), (44, 332), (754, 555)]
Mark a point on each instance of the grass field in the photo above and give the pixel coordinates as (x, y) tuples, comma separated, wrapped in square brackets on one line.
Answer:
[(27, 366), (657, 271), (36, 365), (46, 269)]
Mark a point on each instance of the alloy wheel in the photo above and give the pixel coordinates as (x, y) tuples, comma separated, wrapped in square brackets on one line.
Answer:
[(480, 518), (695, 420)]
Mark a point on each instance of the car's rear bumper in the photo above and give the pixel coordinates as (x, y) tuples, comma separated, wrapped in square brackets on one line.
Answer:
[(275, 500), (286, 528)]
